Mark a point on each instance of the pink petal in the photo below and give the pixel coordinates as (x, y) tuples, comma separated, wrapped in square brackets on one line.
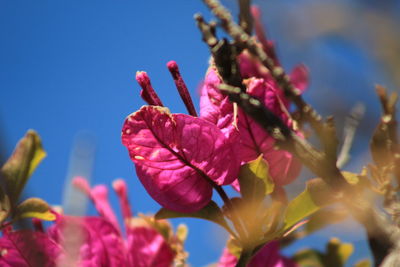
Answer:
[(210, 87), (175, 154), (283, 167), (269, 256), (28, 248), (148, 248), (94, 239), (227, 259), (216, 108), (300, 77)]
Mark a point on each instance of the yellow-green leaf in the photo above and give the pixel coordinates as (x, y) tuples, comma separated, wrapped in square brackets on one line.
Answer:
[(315, 196), (254, 180), (182, 232), (309, 258), (363, 263), (4, 205), (338, 252), (19, 167), (34, 208)]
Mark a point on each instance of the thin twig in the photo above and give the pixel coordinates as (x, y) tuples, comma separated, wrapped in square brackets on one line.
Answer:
[(277, 72), (245, 18), (380, 233)]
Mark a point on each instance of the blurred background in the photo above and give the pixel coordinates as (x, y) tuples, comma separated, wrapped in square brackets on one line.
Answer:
[(67, 70)]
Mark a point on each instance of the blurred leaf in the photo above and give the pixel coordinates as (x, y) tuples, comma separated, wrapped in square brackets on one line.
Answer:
[(324, 217), (182, 232), (273, 221), (316, 195), (255, 181), (4, 205), (308, 258), (337, 253), (34, 208), (363, 263), (211, 212), (19, 167)]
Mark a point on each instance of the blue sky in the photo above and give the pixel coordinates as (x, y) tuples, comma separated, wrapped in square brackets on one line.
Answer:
[(67, 68)]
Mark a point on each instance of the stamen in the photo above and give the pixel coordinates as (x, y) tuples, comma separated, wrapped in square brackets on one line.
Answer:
[(99, 196), (148, 94), (82, 184), (181, 86), (120, 188)]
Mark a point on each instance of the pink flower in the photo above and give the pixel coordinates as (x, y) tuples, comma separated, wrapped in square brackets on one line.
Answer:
[(178, 157), (94, 240), (268, 256), (251, 138)]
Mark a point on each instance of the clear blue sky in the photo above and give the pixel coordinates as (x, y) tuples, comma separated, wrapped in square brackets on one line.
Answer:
[(69, 66)]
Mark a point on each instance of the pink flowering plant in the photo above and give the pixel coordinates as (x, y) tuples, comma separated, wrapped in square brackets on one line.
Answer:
[(251, 133)]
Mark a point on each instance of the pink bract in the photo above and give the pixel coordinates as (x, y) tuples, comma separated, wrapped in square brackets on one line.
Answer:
[(89, 242), (147, 248), (252, 139), (28, 249), (177, 156)]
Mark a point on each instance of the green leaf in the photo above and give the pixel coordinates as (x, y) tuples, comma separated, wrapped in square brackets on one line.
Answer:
[(5, 206), (19, 167), (34, 208), (255, 181), (211, 212), (316, 195)]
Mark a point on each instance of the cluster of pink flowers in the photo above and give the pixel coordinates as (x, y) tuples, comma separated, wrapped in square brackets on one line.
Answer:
[(93, 241), (178, 157)]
